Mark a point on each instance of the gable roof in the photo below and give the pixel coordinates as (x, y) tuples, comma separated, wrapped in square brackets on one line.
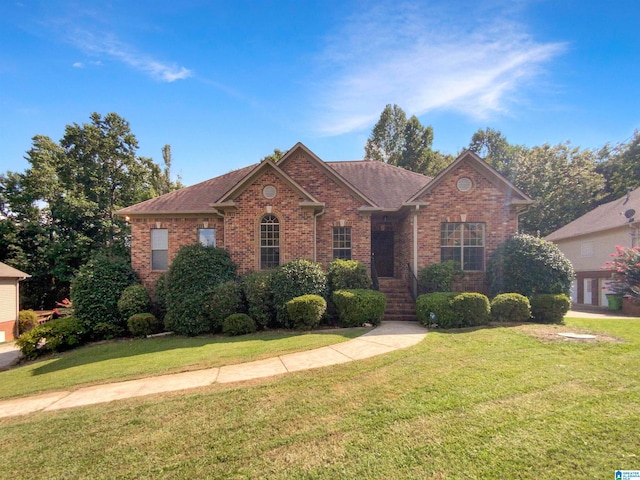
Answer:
[(607, 216), (517, 196), (9, 272)]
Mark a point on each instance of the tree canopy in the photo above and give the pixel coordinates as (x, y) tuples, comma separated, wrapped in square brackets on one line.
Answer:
[(60, 211)]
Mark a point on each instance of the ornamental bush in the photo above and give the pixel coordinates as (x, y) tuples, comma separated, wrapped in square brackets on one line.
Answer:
[(27, 320), (439, 277), (159, 303), (194, 273), (293, 279), (359, 306), (510, 307), (238, 324), (549, 308), (143, 324), (54, 336), (471, 309), (625, 271), (529, 265), (223, 300), (306, 311), (134, 299), (435, 308), (256, 288), (95, 292), (347, 274)]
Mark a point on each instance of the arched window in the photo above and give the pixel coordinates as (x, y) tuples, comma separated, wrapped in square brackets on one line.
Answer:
[(269, 242)]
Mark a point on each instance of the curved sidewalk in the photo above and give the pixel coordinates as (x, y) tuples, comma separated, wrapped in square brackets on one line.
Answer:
[(387, 337)]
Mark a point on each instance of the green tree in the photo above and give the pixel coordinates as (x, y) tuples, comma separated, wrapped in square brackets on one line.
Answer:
[(491, 145), (275, 156), (404, 143), (61, 209), (620, 167)]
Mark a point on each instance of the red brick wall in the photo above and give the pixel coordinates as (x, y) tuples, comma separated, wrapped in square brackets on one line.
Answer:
[(340, 208), (181, 231), (483, 203)]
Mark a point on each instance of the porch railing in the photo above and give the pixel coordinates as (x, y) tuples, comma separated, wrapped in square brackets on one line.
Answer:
[(414, 287), (374, 274)]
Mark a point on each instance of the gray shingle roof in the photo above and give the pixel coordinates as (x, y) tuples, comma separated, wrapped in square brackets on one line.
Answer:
[(9, 272), (604, 217)]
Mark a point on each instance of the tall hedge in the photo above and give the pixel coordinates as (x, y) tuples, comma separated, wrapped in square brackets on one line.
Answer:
[(256, 288), (294, 279), (347, 274), (95, 292), (223, 300), (193, 275), (529, 265), (134, 299)]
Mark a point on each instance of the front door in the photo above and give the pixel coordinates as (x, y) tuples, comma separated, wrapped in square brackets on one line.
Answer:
[(382, 250)]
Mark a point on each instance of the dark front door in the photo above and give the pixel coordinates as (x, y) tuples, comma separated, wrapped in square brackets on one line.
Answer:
[(382, 249)]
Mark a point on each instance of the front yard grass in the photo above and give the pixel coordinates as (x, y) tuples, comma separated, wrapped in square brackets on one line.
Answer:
[(481, 403), (134, 358)]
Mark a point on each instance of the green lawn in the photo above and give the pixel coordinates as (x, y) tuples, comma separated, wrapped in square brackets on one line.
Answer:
[(128, 359), (505, 402)]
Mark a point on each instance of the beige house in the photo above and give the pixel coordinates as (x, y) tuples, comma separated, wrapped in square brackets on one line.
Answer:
[(9, 300), (589, 241)]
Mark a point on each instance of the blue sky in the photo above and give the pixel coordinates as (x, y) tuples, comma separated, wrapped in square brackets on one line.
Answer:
[(226, 82)]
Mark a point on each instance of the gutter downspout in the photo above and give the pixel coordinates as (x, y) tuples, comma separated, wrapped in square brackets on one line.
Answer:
[(315, 235), (415, 249)]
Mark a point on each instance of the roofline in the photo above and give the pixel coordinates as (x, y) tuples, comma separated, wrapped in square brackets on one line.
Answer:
[(635, 225), (330, 171)]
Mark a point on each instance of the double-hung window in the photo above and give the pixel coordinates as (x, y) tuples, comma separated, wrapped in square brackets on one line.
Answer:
[(342, 243), (269, 242), (207, 237), (463, 243), (159, 249)]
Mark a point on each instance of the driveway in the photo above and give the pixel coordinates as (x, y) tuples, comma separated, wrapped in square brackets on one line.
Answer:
[(9, 353)]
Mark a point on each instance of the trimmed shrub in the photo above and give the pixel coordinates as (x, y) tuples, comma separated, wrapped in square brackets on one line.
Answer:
[(238, 324), (224, 299), (306, 311), (439, 277), (510, 307), (529, 265), (438, 304), (95, 292), (54, 336), (549, 308), (256, 287), (470, 309), (143, 324), (134, 299), (159, 302), (194, 273), (359, 306), (293, 279), (346, 275), (27, 320)]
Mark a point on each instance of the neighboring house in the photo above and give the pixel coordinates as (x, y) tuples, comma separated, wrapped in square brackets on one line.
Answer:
[(271, 213), (589, 241), (9, 300)]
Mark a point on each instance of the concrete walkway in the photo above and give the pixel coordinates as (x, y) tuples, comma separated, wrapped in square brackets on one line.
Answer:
[(387, 337)]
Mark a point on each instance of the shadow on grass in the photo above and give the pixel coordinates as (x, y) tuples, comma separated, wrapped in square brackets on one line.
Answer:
[(129, 347)]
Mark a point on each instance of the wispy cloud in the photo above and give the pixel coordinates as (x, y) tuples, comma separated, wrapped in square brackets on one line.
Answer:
[(109, 46), (423, 59)]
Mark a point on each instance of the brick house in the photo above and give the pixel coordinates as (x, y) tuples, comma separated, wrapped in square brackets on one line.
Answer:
[(270, 213)]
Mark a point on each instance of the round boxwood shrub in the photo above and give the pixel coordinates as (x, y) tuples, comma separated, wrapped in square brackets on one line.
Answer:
[(238, 324), (510, 307), (435, 309), (54, 336), (359, 306), (194, 273), (256, 288), (529, 265), (549, 308), (159, 301), (27, 320), (439, 277), (134, 299), (223, 300), (143, 324), (347, 274), (470, 309), (95, 292), (306, 311), (293, 279)]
